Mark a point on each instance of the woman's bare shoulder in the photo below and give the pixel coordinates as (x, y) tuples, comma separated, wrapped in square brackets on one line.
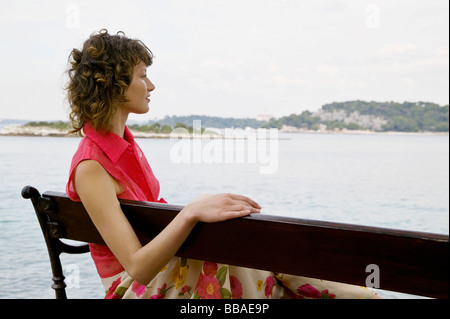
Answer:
[(89, 168), (90, 173)]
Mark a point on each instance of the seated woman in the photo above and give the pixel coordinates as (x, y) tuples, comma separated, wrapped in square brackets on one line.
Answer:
[(108, 81)]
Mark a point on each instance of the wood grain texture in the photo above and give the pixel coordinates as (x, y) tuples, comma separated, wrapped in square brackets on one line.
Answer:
[(409, 262)]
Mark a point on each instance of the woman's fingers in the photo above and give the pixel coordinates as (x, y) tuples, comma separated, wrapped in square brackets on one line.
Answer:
[(245, 207), (237, 213), (245, 199), (219, 207)]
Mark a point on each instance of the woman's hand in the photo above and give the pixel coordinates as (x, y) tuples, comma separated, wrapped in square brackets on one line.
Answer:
[(220, 207), (98, 191)]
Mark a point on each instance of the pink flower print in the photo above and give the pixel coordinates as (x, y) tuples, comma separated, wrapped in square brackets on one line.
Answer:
[(138, 288), (185, 289), (110, 293), (236, 288), (161, 292), (209, 268), (327, 295), (209, 288), (309, 291), (270, 282)]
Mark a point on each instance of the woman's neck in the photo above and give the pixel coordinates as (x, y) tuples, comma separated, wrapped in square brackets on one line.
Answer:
[(119, 122)]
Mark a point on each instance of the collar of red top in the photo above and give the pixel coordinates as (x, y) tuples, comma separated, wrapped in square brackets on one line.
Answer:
[(111, 144)]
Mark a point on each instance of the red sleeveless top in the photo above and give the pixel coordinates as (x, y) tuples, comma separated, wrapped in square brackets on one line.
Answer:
[(123, 159)]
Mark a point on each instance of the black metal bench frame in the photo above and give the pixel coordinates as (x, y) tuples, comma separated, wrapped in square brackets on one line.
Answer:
[(409, 262)]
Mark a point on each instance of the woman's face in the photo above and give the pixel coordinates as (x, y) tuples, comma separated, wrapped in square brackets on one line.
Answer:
[(138, 93)]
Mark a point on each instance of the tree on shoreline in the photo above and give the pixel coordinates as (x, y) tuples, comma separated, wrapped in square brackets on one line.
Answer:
[(398, 117)]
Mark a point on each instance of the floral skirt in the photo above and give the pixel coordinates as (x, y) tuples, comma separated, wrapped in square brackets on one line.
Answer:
[(193, 279)]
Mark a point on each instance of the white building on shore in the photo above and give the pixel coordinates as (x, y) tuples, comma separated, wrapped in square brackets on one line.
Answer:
[(264, 117)]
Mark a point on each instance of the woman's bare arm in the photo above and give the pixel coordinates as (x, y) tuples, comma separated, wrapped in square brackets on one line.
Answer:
[(98, 193)]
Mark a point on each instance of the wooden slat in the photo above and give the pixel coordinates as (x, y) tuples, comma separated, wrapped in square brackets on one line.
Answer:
[(409, 262)]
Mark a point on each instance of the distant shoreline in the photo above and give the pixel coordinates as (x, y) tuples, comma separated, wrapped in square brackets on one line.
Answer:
[(26, 131)]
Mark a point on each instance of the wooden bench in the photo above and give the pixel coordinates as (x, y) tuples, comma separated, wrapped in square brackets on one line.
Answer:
[(408, 262)]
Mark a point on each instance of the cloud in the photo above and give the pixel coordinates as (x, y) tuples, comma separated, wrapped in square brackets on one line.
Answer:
[(442, 51), (286, 81), (234, 57), (328, 70), (331, 5), (395, 49)]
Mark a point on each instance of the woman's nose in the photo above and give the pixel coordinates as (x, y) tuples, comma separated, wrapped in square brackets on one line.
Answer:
[(150, 86)]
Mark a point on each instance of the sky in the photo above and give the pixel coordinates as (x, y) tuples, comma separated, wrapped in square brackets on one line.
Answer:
[(233, 58)]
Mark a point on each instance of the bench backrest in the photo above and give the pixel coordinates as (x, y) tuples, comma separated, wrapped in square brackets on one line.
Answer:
[(405, 261)]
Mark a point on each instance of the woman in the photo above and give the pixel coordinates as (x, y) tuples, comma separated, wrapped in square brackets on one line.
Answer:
[(108, 81)]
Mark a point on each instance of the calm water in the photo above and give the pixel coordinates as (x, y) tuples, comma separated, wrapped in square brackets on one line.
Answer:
[(394, 181)]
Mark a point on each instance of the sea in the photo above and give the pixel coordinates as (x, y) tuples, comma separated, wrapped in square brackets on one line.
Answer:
[(398, 181)]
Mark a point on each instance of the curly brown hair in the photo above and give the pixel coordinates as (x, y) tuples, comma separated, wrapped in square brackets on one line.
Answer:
[(99, 76)]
